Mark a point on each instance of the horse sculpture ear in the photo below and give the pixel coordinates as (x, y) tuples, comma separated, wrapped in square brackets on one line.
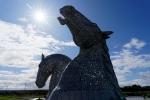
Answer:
[(43, 57), (106, 34)]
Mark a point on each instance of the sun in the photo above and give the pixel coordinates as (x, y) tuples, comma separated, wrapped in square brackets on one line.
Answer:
[(40, 16)]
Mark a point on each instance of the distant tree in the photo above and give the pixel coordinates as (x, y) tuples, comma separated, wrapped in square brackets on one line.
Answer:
[(136, 86)]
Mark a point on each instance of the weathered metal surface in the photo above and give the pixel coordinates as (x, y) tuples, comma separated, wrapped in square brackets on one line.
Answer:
[(90, 75)]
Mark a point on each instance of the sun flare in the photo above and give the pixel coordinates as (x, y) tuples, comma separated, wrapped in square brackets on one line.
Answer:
[(40, 16)]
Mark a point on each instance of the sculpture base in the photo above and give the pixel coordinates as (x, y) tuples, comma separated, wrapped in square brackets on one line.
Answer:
[(84, 95)]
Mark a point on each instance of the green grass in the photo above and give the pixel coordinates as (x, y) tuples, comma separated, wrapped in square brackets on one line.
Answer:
[(17, 97), (10, 98)]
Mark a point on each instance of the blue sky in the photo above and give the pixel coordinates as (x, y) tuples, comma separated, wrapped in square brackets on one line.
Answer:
[(23, 39)]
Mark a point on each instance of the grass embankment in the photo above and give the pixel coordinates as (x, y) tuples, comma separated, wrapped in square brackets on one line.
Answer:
[(21, 94), (19, 97)]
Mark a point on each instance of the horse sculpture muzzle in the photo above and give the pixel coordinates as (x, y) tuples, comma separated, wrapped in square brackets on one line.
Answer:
[(38, 84)]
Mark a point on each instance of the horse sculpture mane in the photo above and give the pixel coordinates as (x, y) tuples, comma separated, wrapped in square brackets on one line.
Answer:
[(90, 75)]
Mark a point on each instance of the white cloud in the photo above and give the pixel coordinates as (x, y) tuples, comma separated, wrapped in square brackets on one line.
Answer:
[(23, 19), (126, 60), (19, 47), (145, 75), (135, 43), (129, 59), (24, 80)]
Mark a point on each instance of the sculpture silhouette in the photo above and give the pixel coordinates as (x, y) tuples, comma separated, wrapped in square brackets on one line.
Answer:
[(52, 65), (90, 75)]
